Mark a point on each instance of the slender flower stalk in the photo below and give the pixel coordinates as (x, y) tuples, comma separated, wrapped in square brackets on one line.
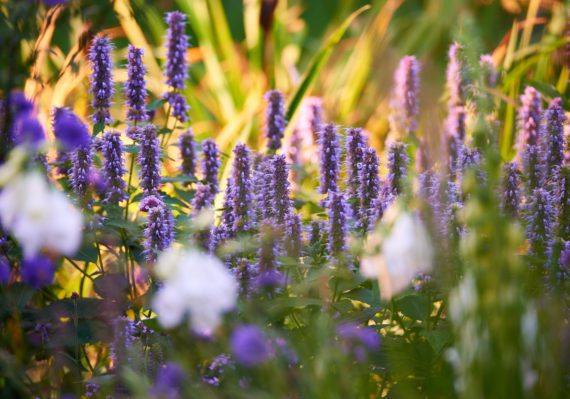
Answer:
[(369, 190), (280, 191), (135, 86), (159, 231), (275, 119), (540, 217), (553, 135), (176, 45), (178, 106), (510, 197), (330, 158), (113, 167), (210, 164), (338, 216), (242, 197), (187, 148), (398, 162), (529, 115), (355, 147), (101, 79), (149, 160), (404, 104)]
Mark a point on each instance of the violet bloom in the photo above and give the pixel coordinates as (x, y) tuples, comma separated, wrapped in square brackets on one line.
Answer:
[(37, 271), (355, 147), (81, 163), (455, 76), (101, 79), (404, 104), (540, 217), (357, 340), (369, 190), (510, 196), (159, 231), (563, 273), (242, 198), (179, 108), (316, 112), (564, 204), (228, 216), (210, 164), (293, 235), (187, 148), (149, 160), (202, 199), (488, 70), (113, 167), (176, 46), (169, 381), (533, 167), (262, 186), (330, 158), (398, 162), (249, 346), (280, 196), (245, 273), (135, 86), (214, 373), (27, 129), (69, 129), (275, 119), (218, 235), (316, 232), (553, 135), (337, 229), (123, 339), (529, 115), (267, 253)]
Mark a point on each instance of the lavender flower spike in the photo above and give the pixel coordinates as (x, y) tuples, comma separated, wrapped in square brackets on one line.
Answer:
[(541, 219), (178, 106), (249, 346), (510, 198), (398, 162), (275, 119), (228, 211), (528, 120), (210, 164), (338, 215), (488, 70), (101, 79), (330, 158), (176, 46), (564, 204), (533, 167), (159, 231), (404, 104), (280, 197), (455, 76), (81, 162), (113, 167), (149, 159), (135, 86), (369, 190), (242, 198), (553, 135), (187, 148), (355, 147)]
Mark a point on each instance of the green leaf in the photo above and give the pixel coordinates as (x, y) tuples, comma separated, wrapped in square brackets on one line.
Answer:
[(179, 179), (438, 339), (155, 104), (87, 253), (414, 306), (98, 128), (132, 149), (318, 62)]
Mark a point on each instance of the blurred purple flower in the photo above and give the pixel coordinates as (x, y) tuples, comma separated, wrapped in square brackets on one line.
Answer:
[(249, 346), (398, 162), (187, 147), (275, 119), (28, 129), (357, 340), (5, 271), (553, 135), (169, 381), (338, 215), (529, 115), (214, 372), (540, 217), (510, 198), (404, 104), (37, 271), (69, 129), (211, 164)]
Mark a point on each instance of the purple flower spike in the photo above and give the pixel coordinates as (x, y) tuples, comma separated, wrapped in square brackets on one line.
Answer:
[(202, 199), (69, 129), (80, 172), (533, 167), (113, 167), (338, 216), (228, 217), (281, 201), (275, 119), (176, 46), (294, 235), (511, 197), (528, 120), (563, 273), (540, 218), (357, 340), (355, 147), (455, 76), (179, 107), (37, 271), (169, 381), (249, 346), (101, 79), (267, 253), (564, 204), (242, 197), (553, 135), (369, 190), (214, 373), (135, 86), (488, 70), (211, 164), (262, 183), (187, 148), (149, 159), (159, 231), (398, 162), (330, 158), (404, 104)]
